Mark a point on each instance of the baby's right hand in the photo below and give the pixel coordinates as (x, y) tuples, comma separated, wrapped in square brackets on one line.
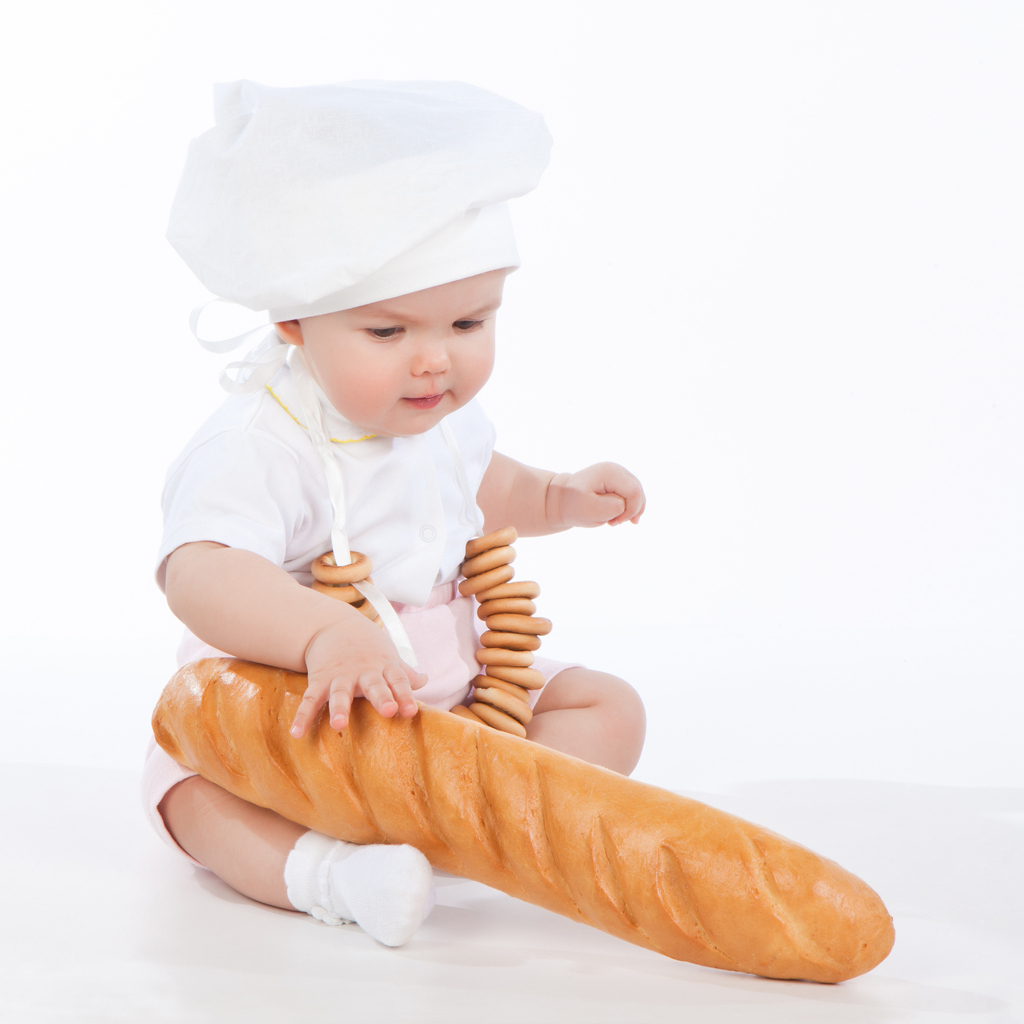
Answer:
[(354, 658)]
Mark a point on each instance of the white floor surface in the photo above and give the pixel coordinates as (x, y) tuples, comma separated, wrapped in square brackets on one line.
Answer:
[(102, 923)]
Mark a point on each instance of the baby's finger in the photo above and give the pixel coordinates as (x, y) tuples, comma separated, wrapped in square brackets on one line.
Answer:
[(631, 513), (309, 707), (633, 498), (378, 693), (640, 511), (416, 679), (607, 507), (402, 691), (342, 691)]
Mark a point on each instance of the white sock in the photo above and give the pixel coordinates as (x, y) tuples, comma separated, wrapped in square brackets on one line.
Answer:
[(387, 890)]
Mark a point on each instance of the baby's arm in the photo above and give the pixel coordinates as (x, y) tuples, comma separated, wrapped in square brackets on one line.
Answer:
[(239, 602), (537, 501)]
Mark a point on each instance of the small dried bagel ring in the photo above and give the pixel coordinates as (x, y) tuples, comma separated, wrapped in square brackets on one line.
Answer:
[(503, 701), (496, 656), (482, 682), (529, 678), (488, 560), (510, 641), (521, 588), (347, 594), (463, 712), (498, 719), (519, 624), (506, 606), (324, 569), (497, 539), (486, 580)]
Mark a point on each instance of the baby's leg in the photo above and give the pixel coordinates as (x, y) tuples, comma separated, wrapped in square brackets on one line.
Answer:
[(591, 715), (387, 890), (243, 844)]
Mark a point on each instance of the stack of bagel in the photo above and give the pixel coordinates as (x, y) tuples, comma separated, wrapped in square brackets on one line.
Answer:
[(501, 691)]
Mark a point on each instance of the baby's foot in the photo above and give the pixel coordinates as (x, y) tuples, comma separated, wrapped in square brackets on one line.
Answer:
[(387, 890)]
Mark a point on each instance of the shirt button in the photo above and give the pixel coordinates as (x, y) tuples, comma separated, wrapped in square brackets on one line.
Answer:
[(427, 534)]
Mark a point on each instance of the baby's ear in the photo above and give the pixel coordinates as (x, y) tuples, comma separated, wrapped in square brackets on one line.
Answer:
[(290, 331)]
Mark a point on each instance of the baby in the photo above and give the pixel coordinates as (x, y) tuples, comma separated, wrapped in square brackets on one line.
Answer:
[(369, 219)]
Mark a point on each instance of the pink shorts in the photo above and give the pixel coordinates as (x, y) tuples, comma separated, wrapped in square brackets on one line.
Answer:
[(444, 634)]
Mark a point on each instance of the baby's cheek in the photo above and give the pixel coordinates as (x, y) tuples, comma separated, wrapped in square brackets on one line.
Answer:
[(364, 394), (477, 372)]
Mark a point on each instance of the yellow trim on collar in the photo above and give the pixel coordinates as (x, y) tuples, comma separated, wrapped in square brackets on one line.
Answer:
[(336, 440)]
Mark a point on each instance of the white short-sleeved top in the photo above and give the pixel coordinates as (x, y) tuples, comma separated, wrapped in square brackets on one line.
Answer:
[(251, 478)]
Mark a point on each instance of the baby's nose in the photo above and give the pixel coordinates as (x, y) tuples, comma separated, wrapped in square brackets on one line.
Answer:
[(432, 358)]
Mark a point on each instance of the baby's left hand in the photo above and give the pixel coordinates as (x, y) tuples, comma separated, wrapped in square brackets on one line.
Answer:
[(604, 493)]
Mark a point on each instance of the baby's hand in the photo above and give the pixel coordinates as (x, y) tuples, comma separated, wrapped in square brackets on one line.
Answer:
[(354, 658), (605, 493)]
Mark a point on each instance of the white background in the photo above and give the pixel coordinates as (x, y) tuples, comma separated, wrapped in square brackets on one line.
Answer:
[(774, 268)]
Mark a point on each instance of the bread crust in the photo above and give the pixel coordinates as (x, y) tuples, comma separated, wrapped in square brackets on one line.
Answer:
[(642, 863)]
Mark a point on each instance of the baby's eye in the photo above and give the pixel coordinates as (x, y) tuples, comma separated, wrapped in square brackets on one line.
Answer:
[(383, 333), (466, 325)]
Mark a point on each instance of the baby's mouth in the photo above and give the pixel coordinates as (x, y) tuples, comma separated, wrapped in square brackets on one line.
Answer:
[(427, 402)]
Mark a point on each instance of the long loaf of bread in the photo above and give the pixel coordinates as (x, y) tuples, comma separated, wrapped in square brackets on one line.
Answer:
[(647, 865)]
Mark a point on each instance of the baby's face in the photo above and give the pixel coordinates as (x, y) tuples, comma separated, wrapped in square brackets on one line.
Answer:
[(399, 366)]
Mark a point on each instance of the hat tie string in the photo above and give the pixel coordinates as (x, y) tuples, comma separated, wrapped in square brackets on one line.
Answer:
[(260, 364)]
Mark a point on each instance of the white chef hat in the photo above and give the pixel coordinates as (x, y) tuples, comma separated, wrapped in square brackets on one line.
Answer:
[(309, 200)]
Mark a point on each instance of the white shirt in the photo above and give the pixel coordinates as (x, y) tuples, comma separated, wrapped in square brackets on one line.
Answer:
[(251, 478)]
